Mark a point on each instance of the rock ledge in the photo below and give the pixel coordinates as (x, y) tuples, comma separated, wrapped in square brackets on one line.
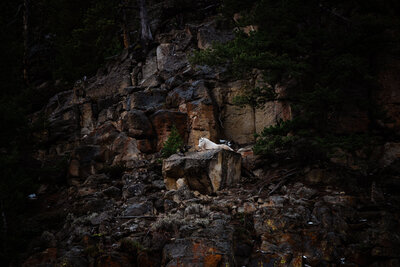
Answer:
[(207, 171)]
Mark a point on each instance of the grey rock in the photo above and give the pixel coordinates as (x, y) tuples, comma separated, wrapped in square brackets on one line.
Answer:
[(151, 82), (147, 100), (134, 190), (188, 92), (206, 172), (169, 60), (97, 219), (138, 209), (173, 82), (159, 184), (137, 125), (306, 192), (112, 192), (74, 257)]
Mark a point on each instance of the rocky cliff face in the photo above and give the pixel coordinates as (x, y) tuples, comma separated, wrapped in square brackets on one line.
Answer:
[(119, 210)]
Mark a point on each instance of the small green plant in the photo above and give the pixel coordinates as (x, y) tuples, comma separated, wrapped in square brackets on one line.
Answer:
[(94, 250), (173, 143), (255, 97), (131, 246)]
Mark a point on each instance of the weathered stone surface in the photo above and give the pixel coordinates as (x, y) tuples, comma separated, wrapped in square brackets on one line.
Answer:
[(193, 99), (146, 145), (137, 125), (202, 121), (138, 209), (150, 100), (86, 119), (74, 168), (207, 35), (249, 159), (391, 153), (162, 122), (114, 260), (206, 172), (238, 124), (126, 147), (319, 216), (187, 92), (64, 118), (198, 252), (271, 113), (111, 79), (318, 176), (180, 38), (87, 159), (170, 60), (389, 93), (112, 192), (134, 190), (150, 67), (151, 82)]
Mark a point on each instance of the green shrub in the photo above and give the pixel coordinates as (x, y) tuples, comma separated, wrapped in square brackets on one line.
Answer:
[(255, 97), (130, 245), (173, 143), (328, 49), (273, 138)]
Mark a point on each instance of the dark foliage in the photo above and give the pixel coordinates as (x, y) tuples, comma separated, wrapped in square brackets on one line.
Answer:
[(173, 143), (67, 40), (327, 52)]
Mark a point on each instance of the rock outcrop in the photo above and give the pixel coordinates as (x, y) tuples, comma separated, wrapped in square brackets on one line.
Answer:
[(120, 207), (207, 171)]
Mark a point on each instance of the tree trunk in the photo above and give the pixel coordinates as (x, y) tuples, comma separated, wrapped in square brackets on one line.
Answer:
[(146, 35), (27, 41), (125, 29)]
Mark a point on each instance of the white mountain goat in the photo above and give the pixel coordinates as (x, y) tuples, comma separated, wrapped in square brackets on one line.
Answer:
[(205, 144)]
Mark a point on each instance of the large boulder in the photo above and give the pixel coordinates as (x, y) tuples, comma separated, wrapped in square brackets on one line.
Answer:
[(207, 171), (137, 125), (150, 68), (193, 99), (148, 101), (170, 60)]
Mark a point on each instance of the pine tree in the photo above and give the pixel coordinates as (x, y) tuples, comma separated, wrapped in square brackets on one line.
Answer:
[(173, 143)]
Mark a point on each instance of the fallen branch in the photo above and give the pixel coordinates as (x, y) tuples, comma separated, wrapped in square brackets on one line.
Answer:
[(285, 178)]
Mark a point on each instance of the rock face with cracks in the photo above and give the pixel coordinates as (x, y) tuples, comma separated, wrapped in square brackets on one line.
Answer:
[(206, 172), (119, 207)]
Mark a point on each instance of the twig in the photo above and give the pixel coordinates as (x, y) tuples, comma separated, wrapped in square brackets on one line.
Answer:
[(334, 13), (283, 181)]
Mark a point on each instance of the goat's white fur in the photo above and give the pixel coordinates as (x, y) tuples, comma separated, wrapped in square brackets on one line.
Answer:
[(206, 144)]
